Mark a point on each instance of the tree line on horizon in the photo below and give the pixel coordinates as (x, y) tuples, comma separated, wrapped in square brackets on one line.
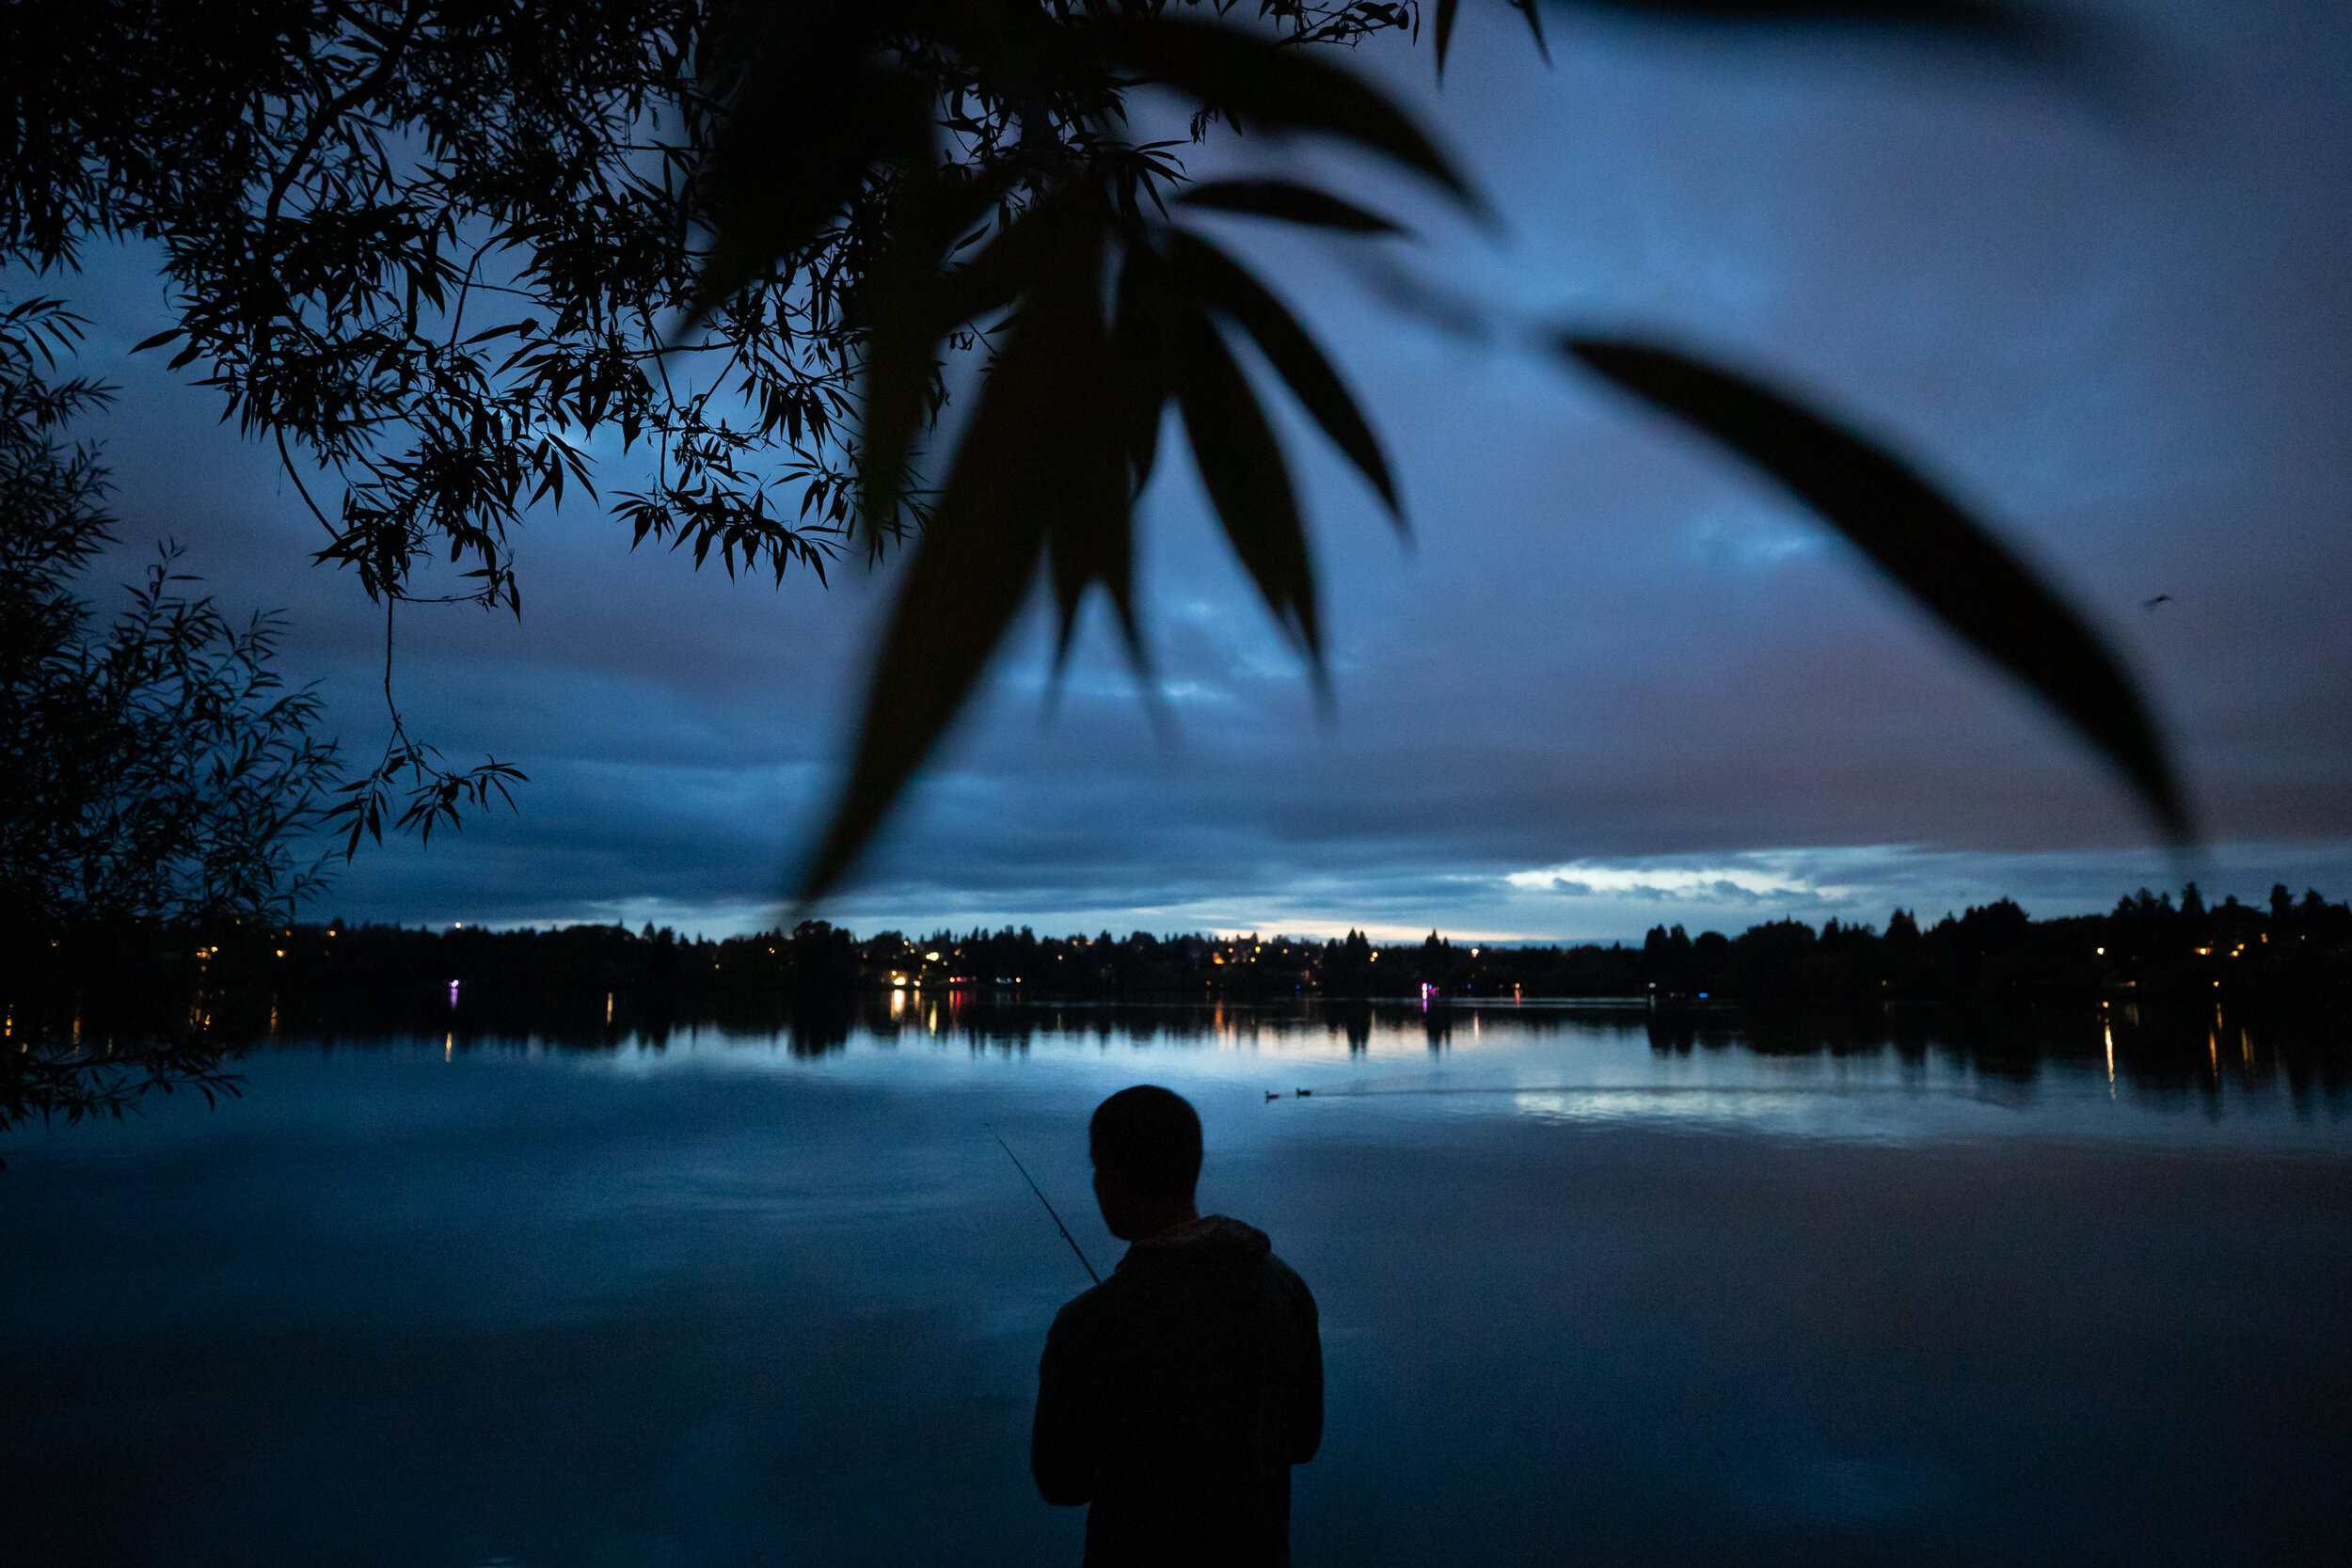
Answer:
[(2149, 944)]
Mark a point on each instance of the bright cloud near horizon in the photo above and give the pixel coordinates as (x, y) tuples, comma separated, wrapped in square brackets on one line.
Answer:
[(1616, 679)]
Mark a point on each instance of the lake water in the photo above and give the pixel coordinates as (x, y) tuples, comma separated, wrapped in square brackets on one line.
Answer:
[(1592, 1293)]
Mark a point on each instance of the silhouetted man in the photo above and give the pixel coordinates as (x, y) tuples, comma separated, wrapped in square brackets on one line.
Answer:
[(1175, 1396)]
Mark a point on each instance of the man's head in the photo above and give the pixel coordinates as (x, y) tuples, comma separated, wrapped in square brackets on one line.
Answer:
[(1146, 1143)]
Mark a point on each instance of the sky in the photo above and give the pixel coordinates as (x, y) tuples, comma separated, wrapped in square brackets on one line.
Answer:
[(1615, 680)]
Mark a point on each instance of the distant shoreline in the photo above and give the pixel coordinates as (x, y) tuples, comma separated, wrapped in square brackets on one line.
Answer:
[(2150, 947)]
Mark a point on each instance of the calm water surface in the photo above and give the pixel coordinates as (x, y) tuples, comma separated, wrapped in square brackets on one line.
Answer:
[(1589, 1295)]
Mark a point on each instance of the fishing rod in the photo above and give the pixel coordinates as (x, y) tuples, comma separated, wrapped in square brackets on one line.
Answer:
[(1049, 1205)]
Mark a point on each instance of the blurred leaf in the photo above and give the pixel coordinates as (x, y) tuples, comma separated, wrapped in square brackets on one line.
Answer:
[(1040, 462), (1144, 343), (1263, 84), (1288, 201), (902, 341), (1089, 537), (911, 304), (1535, 25), (1944, 559), (1003, 267), (1224, 285), (813, 112), (1242, 468), (1446, 9)]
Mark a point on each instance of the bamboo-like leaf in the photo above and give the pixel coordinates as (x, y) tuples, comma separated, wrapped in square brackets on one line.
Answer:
[(1224, 285), (1144, 343), (776, 189), (1090, 533), (1946, 560), (813, 112), (1535, 25), (1446, 9), (1267, 85), (1005, 266), (1088, 498), (1241, 467), (1040, 461), (1287, 201), (965, 580), (901, 345), (908, 305)]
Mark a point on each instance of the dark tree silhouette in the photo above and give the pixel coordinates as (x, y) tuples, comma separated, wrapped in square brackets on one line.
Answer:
[(158, 780), (154, 771)]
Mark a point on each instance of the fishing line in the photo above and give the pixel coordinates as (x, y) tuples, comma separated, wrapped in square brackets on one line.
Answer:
[(1048, 1202)]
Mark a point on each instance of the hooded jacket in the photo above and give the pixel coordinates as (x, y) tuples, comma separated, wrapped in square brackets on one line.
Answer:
[(1174, 1398)]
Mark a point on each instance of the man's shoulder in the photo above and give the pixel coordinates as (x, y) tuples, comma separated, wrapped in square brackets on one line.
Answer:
[(1086, 1305), (1290, 1278), (1096, 1309), (1216, 1252)]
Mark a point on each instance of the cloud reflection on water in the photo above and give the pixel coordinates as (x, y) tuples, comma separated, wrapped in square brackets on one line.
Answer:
[(1559, 1064)]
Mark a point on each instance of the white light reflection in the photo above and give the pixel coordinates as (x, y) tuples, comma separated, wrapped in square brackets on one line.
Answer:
[(1564, 1068)]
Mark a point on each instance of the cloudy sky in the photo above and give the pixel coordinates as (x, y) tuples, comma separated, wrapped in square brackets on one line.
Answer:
[(1617, 679)]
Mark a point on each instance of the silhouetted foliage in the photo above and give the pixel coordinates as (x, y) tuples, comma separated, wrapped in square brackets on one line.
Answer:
[(156, 771), (158, 783), (1946, 560), (1106, 310), (438, 251), (54, 1078)]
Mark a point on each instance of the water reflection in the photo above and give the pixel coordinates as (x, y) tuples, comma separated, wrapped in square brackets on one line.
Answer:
[(1611, 1059), (1574, 1312), (2216, 1061)]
